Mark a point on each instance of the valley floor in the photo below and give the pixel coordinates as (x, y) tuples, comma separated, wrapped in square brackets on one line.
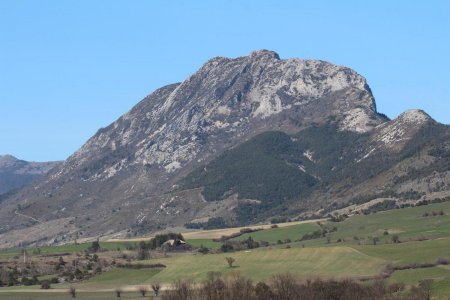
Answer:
[(413, 244)]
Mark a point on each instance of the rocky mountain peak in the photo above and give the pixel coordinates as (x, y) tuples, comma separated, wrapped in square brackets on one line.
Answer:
[(396, 133), (230, 97), (7, 160), (415, 116), (264, 54)]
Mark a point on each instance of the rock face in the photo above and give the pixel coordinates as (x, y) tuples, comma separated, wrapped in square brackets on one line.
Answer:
[(128, 178), (230, 97), (15, 173)]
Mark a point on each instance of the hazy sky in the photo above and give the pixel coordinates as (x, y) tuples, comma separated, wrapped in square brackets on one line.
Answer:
[(68, 68)]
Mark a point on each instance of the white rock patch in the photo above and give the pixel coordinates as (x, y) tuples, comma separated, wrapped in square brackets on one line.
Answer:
[(356, 120), (172, 166)]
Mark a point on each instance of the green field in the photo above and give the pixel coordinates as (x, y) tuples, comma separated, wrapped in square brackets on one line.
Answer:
[(423, 240), (409, 252), (440, 275), (407, 223), (117, 277), (205, 242), (60, 294), (263, 263), (272, 235)]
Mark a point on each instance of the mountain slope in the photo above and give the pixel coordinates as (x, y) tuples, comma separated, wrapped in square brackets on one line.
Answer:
[(287, 133), (338, 162)]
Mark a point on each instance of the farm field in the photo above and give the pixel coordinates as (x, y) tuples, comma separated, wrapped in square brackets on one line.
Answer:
[(62, 294), (349, 252), (272, 235), (335, 262)]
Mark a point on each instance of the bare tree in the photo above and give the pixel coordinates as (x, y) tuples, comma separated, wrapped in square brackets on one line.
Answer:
[(230, 260), (143, 290), (263, 292), (73, 291), (156, 287)]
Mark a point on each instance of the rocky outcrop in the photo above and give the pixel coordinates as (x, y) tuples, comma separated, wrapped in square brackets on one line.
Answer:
[(169, 128)]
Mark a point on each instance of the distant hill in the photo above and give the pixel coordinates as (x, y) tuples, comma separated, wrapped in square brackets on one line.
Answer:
[(15, 173)]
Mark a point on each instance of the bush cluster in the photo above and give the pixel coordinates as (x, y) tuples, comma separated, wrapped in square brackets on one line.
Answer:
[(287, 287)]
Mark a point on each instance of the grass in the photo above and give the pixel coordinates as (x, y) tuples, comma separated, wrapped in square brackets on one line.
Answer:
[(412, 277), (63, 294), (440, 276), (205, 242), (264, 263), (281, 233), (117, 277), (411, 252), (350, 258), (407, 223), (99, 287)]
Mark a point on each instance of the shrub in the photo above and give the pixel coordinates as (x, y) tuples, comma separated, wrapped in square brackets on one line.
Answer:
[(203, 250), (315, 235), (143, 290), (381, 206), (52, 280), (338, 218), (396, 288), (442, 261), (156, 287), (72, 291), (95, 246), (226, 247), (284, 287), (395, 239), (45, 285), (182, 290), (118, 292), (263, 292), (230, 261), (240, 288)]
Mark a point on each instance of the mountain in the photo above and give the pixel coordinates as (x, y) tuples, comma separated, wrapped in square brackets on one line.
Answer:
[(15, 173), (241, 140)]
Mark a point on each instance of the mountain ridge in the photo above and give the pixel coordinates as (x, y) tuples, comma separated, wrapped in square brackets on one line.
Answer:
[(125, 180), (15, 173)]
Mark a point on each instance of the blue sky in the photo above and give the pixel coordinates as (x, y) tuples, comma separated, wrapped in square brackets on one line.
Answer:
[(68, 68)]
